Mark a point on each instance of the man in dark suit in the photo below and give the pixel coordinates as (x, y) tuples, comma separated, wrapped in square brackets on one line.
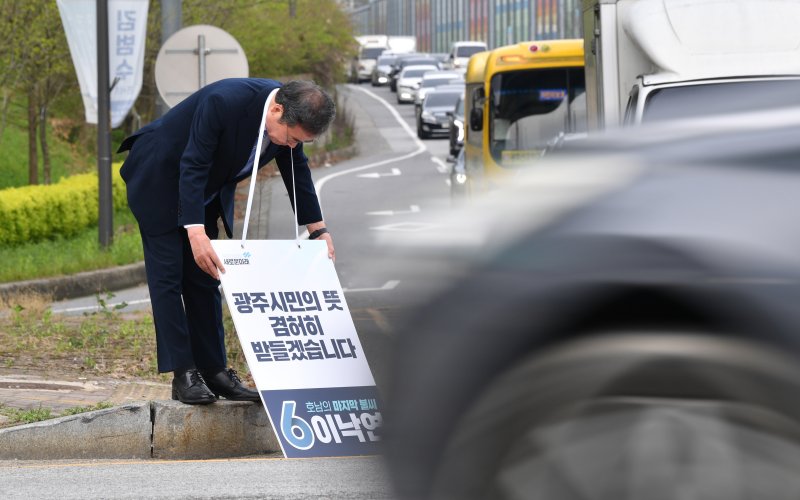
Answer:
[(181, 174)]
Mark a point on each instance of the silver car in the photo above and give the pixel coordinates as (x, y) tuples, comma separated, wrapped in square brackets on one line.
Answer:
[(433, 79), (408, 82)]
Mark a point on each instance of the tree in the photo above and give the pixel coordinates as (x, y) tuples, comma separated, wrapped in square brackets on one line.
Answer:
[(37, 64), (317, 40)]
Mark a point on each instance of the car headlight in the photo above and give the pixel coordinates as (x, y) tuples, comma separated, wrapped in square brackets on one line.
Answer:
[(461, 178), (428, 116)]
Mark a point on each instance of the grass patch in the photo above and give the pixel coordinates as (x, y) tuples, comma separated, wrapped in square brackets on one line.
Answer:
[(83, 409), (68, 256), (110, 343), (17, 416)]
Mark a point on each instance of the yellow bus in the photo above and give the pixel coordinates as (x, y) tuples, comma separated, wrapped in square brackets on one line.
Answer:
[(533, 93), (474, 92)]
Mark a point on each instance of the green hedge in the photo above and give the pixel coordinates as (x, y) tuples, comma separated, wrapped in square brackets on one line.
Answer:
[(35, 213)]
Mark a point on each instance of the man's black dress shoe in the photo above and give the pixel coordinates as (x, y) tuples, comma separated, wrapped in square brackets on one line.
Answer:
[(226, 383), (190, 388)]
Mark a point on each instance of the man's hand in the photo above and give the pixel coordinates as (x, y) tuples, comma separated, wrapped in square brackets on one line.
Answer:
[(204, 254), (329, 241), (326, 237)]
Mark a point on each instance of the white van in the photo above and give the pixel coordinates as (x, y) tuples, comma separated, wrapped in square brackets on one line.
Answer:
[(460, 53)]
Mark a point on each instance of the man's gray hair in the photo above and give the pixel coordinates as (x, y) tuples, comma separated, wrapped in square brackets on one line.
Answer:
[(306, 104)]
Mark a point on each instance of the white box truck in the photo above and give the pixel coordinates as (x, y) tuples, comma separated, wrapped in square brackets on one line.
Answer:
[(370, 47), (402, 44), (648, 60)]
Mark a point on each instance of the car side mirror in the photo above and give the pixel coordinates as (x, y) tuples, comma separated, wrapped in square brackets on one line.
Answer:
[(476, 119)]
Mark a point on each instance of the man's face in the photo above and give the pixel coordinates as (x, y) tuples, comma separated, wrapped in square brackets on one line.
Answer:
[(282, 134)]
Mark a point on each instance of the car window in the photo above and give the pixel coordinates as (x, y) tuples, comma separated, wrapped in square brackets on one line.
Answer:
[(442, 99), (688, 101), (413, 72), (371, 52), (468, 50)]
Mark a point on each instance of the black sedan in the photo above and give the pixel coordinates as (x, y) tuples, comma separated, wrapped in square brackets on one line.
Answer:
[(432, 118), (623, 324)]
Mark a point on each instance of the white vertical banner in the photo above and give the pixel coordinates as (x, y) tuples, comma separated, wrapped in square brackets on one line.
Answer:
[(301, 346), (127, 31)]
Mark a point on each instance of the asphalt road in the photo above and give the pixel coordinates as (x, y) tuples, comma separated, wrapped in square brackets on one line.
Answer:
[(248, 478)]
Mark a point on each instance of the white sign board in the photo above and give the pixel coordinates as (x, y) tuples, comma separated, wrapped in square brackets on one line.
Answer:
[(127, 30), (301, 346)]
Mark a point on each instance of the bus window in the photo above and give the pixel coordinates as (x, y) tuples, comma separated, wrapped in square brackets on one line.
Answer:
[(476, 113), (529, 109)]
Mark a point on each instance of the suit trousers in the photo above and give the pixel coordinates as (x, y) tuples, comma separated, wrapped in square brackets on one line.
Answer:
[(187, 307)]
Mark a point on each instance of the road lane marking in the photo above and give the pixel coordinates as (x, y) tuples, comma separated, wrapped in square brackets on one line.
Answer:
[(376, 175), (412, 134), (389, 285), (442, 167), (405, 227), (412, 210)]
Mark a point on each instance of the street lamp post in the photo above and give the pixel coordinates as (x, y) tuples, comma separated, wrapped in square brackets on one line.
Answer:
[(105, 222)]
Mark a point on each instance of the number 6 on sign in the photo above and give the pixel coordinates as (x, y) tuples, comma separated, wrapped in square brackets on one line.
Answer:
[(294, 429)]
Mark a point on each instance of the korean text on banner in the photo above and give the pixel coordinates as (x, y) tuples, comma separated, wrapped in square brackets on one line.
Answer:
[(127, 30), (301, 346)]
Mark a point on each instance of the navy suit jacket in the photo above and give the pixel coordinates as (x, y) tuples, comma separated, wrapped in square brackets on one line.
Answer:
[(196, 151)]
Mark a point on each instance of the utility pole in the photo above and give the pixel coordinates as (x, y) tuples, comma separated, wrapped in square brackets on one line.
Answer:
[(105, 221), (171, 22)]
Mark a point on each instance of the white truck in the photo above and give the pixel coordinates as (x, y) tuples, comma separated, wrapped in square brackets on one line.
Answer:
[(371, 47), (649, 60), (402, 44)]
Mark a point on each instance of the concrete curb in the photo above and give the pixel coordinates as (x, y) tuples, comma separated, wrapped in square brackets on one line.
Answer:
[(144, 430), (80, 284)]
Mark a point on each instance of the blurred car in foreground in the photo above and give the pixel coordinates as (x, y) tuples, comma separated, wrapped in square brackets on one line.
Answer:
[(620, 322), (432, 118)]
